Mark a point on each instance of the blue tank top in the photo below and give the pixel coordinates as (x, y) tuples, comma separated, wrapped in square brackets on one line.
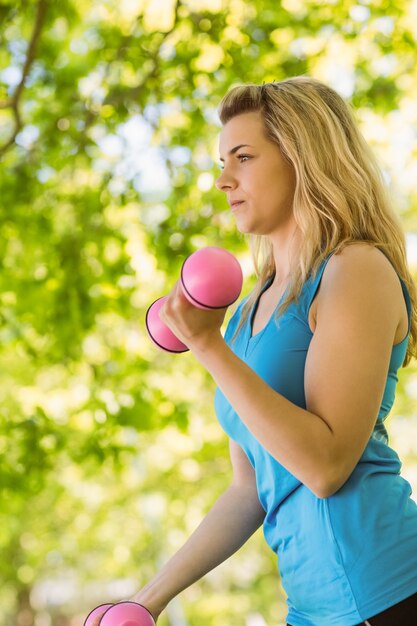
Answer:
[(344, 558)]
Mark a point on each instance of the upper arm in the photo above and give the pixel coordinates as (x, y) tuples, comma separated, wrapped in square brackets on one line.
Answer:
[(348, 358)]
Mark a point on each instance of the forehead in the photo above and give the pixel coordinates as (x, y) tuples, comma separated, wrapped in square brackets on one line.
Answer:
[(245, 128)]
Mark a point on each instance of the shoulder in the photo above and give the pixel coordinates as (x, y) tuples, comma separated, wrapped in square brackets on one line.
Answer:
[(360, 276), (360, 258), (360, 264)]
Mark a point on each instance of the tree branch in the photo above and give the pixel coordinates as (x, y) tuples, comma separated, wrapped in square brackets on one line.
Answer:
[(14, 101), (133, 93)]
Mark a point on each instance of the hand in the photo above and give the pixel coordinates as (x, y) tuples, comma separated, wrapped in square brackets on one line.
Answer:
[(141, 598), (196, 328)]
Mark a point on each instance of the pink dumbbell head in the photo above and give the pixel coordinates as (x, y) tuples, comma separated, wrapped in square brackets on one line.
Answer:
[(159, 332), (211, 278), (121, 614)]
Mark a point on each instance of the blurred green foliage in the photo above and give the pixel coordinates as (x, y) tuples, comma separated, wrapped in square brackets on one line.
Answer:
[(110, 451)]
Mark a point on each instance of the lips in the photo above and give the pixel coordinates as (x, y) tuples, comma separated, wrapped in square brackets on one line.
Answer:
[(234, 205)]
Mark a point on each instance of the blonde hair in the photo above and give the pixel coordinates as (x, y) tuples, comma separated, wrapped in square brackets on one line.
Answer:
[(340, 195)]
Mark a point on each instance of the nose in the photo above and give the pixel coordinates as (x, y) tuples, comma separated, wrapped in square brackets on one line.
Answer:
[(225, 181)]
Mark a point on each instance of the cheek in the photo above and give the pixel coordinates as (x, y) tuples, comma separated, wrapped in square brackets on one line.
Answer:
[(269, 185), (284, 184), (259, 182)]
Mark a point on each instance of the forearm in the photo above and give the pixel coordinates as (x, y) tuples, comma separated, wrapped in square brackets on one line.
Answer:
[(300, 440), (234, 517)]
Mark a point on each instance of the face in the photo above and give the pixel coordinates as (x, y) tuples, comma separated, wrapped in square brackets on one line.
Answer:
[(257, 175)]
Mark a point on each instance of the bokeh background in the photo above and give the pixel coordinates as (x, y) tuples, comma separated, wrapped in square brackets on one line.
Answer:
[(110, 452)]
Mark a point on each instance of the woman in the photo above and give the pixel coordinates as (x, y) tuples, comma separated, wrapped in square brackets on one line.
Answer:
[(307, 369)]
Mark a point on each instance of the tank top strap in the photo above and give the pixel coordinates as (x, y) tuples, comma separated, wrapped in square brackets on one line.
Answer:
[(407, 301)]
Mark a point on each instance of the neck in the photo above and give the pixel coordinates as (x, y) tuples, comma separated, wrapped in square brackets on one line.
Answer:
[(285, 251)]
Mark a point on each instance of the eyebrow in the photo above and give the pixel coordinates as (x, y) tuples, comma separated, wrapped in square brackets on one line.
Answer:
[(233, 150)]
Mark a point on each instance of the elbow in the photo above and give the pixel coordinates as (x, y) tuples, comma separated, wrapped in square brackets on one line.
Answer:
[(324, 491), (328, 484)]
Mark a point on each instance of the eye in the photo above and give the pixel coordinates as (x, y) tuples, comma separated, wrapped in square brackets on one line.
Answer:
[(238, 156)]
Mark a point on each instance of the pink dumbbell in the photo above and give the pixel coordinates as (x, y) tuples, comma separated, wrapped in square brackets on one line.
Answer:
[(121, 614), (211, 278)]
